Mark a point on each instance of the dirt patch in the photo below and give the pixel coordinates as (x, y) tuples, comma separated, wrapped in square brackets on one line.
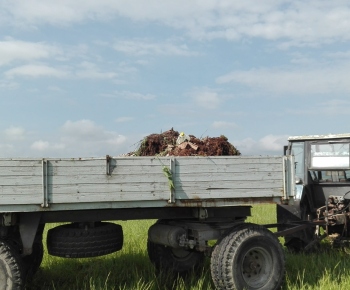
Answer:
[(173, 143)]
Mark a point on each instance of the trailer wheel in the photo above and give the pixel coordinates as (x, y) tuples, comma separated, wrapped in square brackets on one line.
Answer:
[(214, 267), (215, 257), (10, 268), (248, 258), (74, 241), (177, 261)]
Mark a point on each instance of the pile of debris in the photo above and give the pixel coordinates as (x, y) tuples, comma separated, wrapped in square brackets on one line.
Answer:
[(173, 143)]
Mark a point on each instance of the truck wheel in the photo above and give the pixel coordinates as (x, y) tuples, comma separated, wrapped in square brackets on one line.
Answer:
[(214, 267), (10, 268), (215, 257), (72, 241), (248, 258), (178, 261)]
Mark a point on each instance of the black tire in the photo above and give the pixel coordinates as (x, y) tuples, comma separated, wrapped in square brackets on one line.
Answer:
[(250, 257), (11, 277), (216, 273), (71, 241), (175, 261), (214, 267)]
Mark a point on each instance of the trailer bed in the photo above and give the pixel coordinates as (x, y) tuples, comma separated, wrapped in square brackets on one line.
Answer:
[(55, 184)]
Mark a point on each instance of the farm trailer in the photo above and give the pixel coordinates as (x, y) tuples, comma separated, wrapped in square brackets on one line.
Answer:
[(193, 199)]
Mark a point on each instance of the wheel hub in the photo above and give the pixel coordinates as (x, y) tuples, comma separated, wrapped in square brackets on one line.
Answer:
[(255, 267), (252, 264)]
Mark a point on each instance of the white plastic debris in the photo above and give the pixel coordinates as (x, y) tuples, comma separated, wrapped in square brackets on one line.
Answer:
[(182, 138)]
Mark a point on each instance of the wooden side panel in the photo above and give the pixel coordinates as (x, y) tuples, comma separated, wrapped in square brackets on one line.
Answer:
[(137, 179), (229, 177), (130, 179), (21, 181)]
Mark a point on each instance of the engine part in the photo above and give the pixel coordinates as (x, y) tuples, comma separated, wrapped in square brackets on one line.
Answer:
[(166, 235)]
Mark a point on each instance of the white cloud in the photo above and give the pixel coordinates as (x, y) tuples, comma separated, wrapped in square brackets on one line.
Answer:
[(88, 70), (223, 125), (8, 84), (293, 22), (146, 47), (15, 133), (132, 96), (12, 50), (55, 89), (269, 144), (334, 107), (85, 70), (206, 98), (82, 138), (175, 109), (82, 130), (339, 55), (40, 145), (26, 60), (35, 71), (6, 150), (90, 138), (273, 143), (124, 119), (303, 81), (46, 146)]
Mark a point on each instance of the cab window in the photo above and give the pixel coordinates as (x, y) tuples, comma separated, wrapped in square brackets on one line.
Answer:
[(330, 176), (330, 156)]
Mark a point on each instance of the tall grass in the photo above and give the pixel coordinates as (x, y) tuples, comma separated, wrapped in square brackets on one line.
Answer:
[(130, 268)]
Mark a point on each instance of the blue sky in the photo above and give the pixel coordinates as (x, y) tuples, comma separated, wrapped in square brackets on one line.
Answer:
[(88, 78)]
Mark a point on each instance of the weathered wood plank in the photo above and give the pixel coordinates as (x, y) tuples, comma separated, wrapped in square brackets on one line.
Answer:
[(189, 180), (135, 179), (20, 171), (142, 187), (20, 162), (228, 184), (20, 195), (217, 177), (108, 197), (229, 194), (143, 161)]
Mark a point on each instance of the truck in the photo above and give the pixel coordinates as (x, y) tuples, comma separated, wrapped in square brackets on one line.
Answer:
[(322, 192), (200, 204)]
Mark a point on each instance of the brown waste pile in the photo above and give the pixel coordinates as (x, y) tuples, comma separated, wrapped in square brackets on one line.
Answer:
[(164, 144)]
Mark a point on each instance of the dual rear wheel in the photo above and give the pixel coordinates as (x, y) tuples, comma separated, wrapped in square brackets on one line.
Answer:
[(248, 257), (11, 269), (14, 269)]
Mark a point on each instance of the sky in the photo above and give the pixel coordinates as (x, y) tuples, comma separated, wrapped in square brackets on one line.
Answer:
[(89, 78)]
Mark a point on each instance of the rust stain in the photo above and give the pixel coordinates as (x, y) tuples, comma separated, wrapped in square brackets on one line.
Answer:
[(224, 202)]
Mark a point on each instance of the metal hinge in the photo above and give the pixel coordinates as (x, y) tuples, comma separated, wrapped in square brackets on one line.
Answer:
[(45, 184), (172, 189)]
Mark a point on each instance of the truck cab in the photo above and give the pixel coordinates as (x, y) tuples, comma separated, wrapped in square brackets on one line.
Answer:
[(322, 188)]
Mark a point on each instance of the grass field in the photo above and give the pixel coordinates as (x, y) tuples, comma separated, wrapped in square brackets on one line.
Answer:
[(130, 268)]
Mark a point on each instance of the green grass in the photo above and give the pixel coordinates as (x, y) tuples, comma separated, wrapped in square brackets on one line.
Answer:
[(130, 268)]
